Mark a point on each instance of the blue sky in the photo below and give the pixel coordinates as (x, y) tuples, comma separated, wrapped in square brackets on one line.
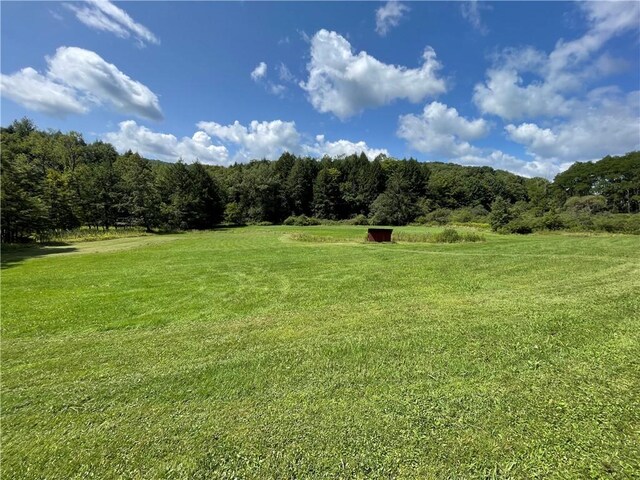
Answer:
[(525, 86)]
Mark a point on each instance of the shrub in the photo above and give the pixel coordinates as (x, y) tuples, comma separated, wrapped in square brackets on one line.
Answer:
[(233, 214), (440, 216), (358, 220), (500, 214), (616, 223), (462, 215), (448, 235), (520, 226), (479, 213), (586, 204), (301, 221), (552, 221)]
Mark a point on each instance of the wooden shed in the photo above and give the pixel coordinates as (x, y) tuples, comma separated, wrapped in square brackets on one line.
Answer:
[(379, 234)]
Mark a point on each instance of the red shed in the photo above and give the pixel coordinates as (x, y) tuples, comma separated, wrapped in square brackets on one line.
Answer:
[(379, 234)]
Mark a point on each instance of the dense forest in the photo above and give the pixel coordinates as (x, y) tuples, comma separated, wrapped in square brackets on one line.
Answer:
[(53, 181)]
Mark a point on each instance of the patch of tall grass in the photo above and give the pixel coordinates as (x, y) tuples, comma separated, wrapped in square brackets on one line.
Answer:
[(86, 234), (448, 235)]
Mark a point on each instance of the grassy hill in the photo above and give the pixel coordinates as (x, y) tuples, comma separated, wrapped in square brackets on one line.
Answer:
[(248, 353)]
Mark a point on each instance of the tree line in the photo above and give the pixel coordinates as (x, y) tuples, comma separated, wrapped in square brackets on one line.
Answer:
[(54, 181)]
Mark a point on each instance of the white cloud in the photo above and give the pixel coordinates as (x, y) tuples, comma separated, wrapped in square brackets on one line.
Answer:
[(102, 82), (559, 74), (276, 88), (504, 95), (258, 140), (606, 124), (270, 139), (471, 12), (441, 130), (285, 74), (389, 15), (321, 147), (167, 147), (503, 161), (76, 80), (259, 75), (259, 72), (104, 15), (36, 92), (344, 84)]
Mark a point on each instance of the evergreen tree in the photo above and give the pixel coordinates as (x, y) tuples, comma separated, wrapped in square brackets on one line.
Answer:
[(327, 198)]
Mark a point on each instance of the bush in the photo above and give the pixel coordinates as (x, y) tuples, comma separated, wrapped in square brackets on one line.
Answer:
[(358, 220), (500, 214), (301, 221), (440, 216), (519, 226), (233, 214), (621, 223), (586, 204), (552, 221), (462, 215), (448, 235)]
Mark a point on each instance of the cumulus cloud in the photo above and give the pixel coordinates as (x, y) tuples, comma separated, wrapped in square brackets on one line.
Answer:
[(607, 123), (164, 146), (441, 130), (259, 72), (103, 82), (503, 161), (322, 147), (503, 94), (222, 144), (559, 74), (389, 15), (259, 75), (105, 16), (344, 84), (36, 92), (77, 79), (258, 140)]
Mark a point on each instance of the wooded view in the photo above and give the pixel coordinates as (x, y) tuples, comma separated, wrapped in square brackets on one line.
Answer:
[(54, 181)]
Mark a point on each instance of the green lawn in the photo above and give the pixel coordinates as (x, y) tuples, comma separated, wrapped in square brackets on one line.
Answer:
[(244, 353)]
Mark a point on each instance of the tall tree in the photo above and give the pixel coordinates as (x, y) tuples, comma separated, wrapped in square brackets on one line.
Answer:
[(327, 198)]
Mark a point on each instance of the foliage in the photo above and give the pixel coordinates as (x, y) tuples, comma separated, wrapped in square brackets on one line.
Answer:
[(615, 179), (301, 221), (358, 220), (53, 182), (520, 226), (500, 214)]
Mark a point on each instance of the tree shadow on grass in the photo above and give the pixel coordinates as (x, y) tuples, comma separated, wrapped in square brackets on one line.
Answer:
[(13, 255)]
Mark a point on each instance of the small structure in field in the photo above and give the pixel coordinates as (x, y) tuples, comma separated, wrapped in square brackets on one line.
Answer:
[(379, 234)]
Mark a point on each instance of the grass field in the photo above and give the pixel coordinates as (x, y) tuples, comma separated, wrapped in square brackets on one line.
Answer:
[(245, 353)]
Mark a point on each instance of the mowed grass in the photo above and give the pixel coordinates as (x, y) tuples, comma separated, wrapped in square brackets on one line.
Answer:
[(243, 353)]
